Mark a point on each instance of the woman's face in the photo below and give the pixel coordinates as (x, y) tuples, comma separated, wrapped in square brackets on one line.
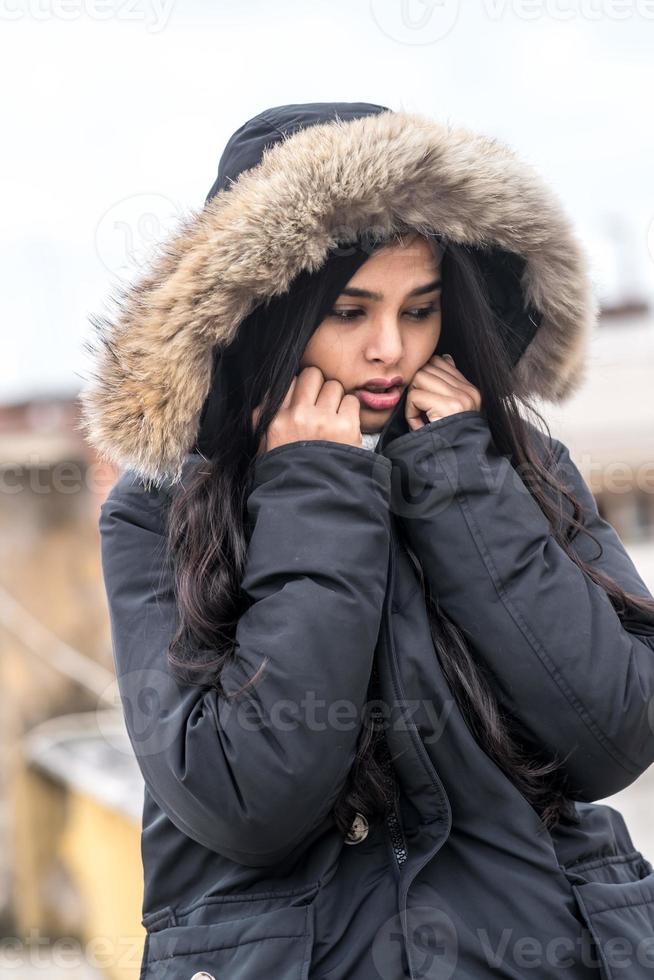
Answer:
[(383, 327)]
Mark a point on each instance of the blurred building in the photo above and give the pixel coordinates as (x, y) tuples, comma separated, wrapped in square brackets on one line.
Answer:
[(57, 831), (609, 428)]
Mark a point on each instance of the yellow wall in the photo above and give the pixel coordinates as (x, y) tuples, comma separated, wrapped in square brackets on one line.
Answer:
[(102, 851), (76, 872)]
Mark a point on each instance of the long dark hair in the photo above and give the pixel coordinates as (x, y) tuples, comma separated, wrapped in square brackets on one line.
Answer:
[(207, 530)]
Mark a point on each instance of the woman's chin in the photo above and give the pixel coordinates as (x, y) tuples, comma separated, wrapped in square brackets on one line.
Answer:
[(372, 420)]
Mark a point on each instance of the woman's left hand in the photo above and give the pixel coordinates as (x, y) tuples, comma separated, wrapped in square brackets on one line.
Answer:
[(439, 389)]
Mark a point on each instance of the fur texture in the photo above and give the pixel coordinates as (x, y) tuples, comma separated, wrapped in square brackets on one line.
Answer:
[(152, 360)]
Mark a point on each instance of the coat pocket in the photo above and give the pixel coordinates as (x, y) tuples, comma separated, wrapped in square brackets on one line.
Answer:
[(615, 897), (277, 943)]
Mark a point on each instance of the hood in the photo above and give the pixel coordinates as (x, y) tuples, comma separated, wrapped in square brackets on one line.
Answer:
[(293, 182)]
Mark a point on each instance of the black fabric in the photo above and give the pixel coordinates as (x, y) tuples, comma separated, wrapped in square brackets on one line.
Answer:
[(245, 147), (239, 847)]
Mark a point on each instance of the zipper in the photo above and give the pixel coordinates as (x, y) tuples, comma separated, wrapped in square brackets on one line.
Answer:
[(392, 818), (393, 823), (398, 842), (399, 847)]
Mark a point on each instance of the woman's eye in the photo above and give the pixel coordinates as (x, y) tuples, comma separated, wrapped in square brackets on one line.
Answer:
[(418, 314), (423, 311), (345, 314)]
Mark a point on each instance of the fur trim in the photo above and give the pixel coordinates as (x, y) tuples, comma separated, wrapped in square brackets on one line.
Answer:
[(152, 362)]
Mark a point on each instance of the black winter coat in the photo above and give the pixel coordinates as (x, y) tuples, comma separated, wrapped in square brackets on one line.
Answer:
[(245, 873)]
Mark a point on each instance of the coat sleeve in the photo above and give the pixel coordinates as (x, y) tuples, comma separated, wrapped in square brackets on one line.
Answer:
[(576, 679), (251, 778)]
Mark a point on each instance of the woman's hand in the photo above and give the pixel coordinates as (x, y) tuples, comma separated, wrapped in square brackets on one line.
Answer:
[(439, 389), (313, 409)]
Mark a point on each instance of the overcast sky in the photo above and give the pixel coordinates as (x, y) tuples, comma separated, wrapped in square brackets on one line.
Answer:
[(115, 116)]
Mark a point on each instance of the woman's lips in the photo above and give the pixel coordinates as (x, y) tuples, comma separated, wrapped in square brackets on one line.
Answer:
[(379, 399)]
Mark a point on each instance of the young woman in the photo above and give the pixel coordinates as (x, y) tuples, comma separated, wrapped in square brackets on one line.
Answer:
[(378, 652)]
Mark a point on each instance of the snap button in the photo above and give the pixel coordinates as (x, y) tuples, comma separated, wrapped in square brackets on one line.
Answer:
[(358, 831), (202, 976)]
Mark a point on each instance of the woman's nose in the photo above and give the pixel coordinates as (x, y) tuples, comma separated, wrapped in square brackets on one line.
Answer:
[(385, 340)]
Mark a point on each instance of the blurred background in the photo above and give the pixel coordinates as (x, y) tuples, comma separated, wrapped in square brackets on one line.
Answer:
[(114, 117)]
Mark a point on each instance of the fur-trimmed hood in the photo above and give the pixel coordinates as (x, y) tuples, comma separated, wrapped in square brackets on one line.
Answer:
[(316, 185)]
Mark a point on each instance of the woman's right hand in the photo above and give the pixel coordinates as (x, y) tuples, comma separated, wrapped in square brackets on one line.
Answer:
[(313, 409)]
